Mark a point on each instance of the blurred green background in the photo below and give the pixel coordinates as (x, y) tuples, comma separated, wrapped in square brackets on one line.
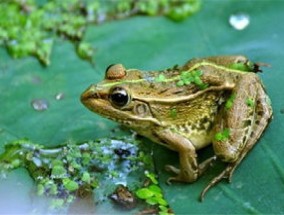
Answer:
[(151, 43)]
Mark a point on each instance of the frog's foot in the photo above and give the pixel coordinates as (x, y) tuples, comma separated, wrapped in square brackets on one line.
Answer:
[(172, 169), (183, 176), (206, 164), (226, 174)]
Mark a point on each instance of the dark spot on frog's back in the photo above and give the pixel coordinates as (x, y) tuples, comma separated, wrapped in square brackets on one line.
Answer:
[(247, 123), (163, 91), (178, 92), (204, 120), (260, 112), (244, 139), (201, 127), (194, 126)]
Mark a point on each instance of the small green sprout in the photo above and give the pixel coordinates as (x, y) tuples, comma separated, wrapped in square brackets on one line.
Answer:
[(223, 135)]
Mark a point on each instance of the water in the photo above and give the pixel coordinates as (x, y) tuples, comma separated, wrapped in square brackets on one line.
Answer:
[(239, 21), (40, 104), (59, 96)]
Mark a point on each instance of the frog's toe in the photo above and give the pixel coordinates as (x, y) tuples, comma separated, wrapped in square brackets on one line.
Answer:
[(181, 178), (172, 169), (206, 164), (177, 178)]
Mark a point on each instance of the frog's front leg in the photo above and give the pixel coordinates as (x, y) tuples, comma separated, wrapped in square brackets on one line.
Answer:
[(244, 122), (189, 169)]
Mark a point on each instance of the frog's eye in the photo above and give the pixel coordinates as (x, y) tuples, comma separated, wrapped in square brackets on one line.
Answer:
[(115, 71), (119, 97)]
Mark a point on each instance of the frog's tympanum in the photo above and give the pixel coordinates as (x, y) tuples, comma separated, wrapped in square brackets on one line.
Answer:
[(215, 100)]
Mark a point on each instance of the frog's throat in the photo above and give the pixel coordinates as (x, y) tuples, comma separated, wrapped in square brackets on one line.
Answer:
[(176, 78)]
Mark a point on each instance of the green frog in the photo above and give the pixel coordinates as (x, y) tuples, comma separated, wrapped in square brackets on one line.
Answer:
[(215, 100)]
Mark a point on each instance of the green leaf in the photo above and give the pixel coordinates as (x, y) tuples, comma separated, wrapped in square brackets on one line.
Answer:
[(58, 171), (156, 189), (86, 177), (144, 193), (152, 177), (152, 200), (70, 185)]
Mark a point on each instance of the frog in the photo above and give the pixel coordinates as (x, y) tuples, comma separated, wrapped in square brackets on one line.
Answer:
[(218, 101)]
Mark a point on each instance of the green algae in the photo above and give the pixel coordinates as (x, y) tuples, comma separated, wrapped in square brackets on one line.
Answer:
[(30, 28)]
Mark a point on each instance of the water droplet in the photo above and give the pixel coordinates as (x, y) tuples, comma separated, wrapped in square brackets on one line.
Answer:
[(239, 21), (40, 104), (59, 96)]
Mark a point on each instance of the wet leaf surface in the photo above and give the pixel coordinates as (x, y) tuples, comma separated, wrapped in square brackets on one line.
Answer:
[(150, 43)]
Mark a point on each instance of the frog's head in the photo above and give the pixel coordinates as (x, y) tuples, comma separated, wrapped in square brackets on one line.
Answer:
[(118, 97)]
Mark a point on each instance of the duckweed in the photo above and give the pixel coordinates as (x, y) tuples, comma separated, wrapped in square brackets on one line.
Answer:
[(61, 172), (250, 102), (153, 195), (230, 101), (191, 77), (31, 28), (223, 135)]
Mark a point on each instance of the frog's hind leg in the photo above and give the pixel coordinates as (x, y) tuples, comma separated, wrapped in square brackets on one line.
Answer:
[(251, 102)]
